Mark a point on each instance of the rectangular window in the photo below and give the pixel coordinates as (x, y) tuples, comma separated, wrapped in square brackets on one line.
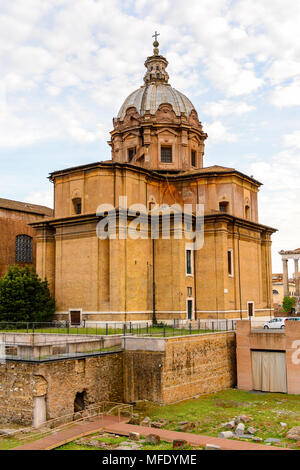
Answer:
[(131, 153), (166, 154), (193, 157), (190, 309), (223, 206), (188, 255), (230, 262), (250, 306)]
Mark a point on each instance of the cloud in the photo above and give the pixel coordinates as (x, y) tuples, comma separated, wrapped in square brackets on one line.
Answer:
[(284, 96), (225, 108), (217, 132), (292, 140), (43, 198), (279, 199)]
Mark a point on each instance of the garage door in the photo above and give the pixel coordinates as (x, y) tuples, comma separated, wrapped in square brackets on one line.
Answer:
[(269, 371)]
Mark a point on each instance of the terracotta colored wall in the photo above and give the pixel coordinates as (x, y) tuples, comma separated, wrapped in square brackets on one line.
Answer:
[(288, 341), (13, 224)]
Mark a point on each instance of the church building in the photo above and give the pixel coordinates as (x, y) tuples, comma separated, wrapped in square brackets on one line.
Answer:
[(157, 146)]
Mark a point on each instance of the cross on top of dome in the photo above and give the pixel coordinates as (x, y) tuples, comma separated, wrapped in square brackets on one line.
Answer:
[(156, 65)]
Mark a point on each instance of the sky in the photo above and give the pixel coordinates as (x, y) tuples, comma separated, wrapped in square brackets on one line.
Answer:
[(66, 66)]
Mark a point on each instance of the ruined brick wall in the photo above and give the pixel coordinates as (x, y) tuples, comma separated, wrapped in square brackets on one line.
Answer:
[(143, 375), (100, 376), (16, 392), (198, 364), (185, 367)]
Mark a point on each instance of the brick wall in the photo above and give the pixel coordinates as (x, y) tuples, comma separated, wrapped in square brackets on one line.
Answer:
[(184, 367), (100, 376)]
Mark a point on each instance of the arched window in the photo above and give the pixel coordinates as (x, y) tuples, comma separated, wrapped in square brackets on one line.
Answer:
[(223, 206), (77, 205), (23, 249)]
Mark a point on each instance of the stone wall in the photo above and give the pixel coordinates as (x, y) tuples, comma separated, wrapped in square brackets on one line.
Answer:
[(100, 376), (179, 368)]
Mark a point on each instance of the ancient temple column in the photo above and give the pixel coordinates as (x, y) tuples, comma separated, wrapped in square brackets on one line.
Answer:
[(297, 293), (285, 278)]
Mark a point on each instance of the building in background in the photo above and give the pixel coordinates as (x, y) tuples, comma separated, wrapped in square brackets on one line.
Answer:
[(278, 288), (17, 245), (157, 158)]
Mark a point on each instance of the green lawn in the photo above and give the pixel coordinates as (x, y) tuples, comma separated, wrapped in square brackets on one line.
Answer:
[(153, 331), (208, 412), (163, 445)]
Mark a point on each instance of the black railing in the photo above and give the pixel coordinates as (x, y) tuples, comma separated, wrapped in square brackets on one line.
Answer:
[(176, 327)]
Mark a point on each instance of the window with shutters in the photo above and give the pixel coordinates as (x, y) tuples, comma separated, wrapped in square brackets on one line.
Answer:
[(166, 154), (23, 249)]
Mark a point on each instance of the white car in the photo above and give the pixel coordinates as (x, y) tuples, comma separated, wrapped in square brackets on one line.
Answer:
[(275, 323)]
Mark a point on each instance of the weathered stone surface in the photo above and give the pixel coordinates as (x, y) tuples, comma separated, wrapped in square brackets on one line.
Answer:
[(134, 436), (146, 421), (294, 433), (240, 429), (153, 439), (229, 425), (101, 377), (179, 443), (251, 430), (212, 447), (256, 439), (187, 426), (157, 424), (226, 434), (244, 418), (272, 440)]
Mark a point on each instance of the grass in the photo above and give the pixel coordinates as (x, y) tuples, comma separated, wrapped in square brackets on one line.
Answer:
[(208, 412), (153, 331), (163, 445)]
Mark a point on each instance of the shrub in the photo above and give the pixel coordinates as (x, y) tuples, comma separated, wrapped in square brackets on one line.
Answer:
[(24, 297)]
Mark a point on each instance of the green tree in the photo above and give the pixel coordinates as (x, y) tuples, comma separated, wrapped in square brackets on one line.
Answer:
[(288, 303), (25, 297)]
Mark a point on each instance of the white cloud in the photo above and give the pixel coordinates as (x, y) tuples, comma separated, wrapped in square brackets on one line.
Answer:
[(288, 95), (43, 198), (292, 140), (225, 108), (217, 132)]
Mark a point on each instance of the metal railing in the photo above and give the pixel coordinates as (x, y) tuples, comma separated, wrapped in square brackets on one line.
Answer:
[(174, 327), (62, 422)]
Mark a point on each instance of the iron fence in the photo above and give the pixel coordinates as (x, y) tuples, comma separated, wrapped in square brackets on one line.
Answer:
[(176, 327)]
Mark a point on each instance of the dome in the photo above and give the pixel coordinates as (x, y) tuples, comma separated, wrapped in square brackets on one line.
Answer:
[(150, 96), (156, 90)]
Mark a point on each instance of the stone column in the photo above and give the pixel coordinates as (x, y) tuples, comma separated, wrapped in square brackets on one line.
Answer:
[(297, 293), (285, 278)]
